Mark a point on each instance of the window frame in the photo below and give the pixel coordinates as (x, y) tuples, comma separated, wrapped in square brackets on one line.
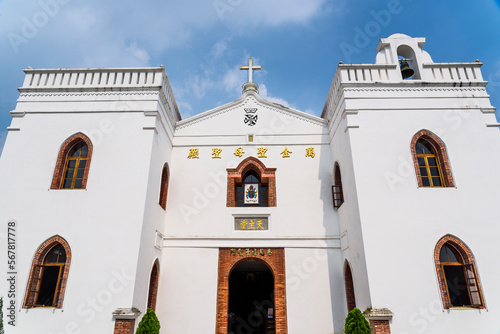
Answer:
[(153, 285), (260, 186), (63, 160), (76, 168), (468, 263), (441, 155), (349, 286), (165, 178), (337, 189), (37, 271), (266, 175)]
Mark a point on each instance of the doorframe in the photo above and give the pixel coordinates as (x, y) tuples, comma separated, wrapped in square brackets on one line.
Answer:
[(275, 259)]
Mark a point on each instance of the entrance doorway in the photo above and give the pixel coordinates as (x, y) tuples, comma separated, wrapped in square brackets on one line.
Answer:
[(251, 307)]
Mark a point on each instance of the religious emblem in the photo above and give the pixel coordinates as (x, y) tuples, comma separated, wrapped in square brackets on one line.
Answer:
[(250, 117), (251, 193)]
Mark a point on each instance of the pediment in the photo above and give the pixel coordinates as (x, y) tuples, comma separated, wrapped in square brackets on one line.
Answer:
[(250, 113)]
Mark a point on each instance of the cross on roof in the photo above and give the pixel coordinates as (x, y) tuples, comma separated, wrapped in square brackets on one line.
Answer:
[(250, 68)]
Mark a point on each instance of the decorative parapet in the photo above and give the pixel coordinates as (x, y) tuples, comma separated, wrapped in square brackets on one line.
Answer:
[(101, 80), (447, 74), (453, 72), (126, 313), (91, 78)]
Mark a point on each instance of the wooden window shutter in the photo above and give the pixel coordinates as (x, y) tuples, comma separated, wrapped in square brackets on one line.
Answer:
[(472, 282), (34, 285), (338, 197)]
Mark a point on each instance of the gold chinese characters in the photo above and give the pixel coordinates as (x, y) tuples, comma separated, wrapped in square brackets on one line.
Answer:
[(251, 225), (194, 153), (250, 251)]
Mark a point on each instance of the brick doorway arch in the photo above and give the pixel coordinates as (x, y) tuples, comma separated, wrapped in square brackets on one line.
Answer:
[(274, 259)]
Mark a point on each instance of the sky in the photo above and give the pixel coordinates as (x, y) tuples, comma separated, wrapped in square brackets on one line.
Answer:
[(201, 43)]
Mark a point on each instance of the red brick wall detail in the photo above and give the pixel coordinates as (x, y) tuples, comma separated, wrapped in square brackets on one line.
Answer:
[(380, 326), (153, 286), (235, 175), (349, 287), (440, 149), (124, 326), (63, 154), (164, 187), (44, 248), (467, 257), (276, 263)]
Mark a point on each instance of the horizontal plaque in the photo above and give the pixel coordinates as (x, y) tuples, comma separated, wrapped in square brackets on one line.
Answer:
[(251, 223)]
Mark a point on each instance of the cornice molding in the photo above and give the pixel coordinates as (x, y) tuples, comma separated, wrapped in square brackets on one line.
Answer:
[(94, 93)]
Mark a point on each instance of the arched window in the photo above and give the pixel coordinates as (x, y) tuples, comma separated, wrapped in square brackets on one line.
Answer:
[(164, 187), (430, 172), (457, 274), (73, 162), (349, 287), (49, 273), (251, 184), (153, 286), (337, 191), (251, 192), (431, 161)]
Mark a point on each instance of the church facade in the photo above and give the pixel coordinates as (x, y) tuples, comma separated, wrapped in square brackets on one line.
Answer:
[(254, 217)]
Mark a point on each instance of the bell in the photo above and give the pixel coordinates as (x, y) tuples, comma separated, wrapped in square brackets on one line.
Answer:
[(406, 71)]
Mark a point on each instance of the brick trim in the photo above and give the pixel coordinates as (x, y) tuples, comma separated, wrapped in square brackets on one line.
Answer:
[(442, 156), (124, 326), (380, 326), (164, 186), (62, 159), (276, 262), (468, 259), (235, 176), (349, 287), (38, 259), (337, 181), (153, 285)]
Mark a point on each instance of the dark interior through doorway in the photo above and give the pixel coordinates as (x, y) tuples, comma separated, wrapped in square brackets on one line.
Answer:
[(251, 299)]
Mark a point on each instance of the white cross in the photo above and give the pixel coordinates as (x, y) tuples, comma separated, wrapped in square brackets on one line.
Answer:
[(250, 67)]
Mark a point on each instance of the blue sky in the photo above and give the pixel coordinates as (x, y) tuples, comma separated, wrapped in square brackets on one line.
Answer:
[(201, 43)]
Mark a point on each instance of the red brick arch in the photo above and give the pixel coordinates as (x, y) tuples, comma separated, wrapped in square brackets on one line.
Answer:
[(38, 259), (153, 285), (164, 186), (235, 175), (442, 155), (275, 262), (468, 259), (63, 155), (349, 286)]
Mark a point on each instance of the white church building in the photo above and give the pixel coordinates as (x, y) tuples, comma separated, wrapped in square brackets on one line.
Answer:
[(253, 217)]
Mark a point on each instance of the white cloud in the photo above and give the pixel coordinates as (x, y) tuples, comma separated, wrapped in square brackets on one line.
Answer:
[(220, 47), (263, 93), (94, 27), (185, 109), (141, 54), (232, 80), (248, 14), (122, 33), (201, 85)]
